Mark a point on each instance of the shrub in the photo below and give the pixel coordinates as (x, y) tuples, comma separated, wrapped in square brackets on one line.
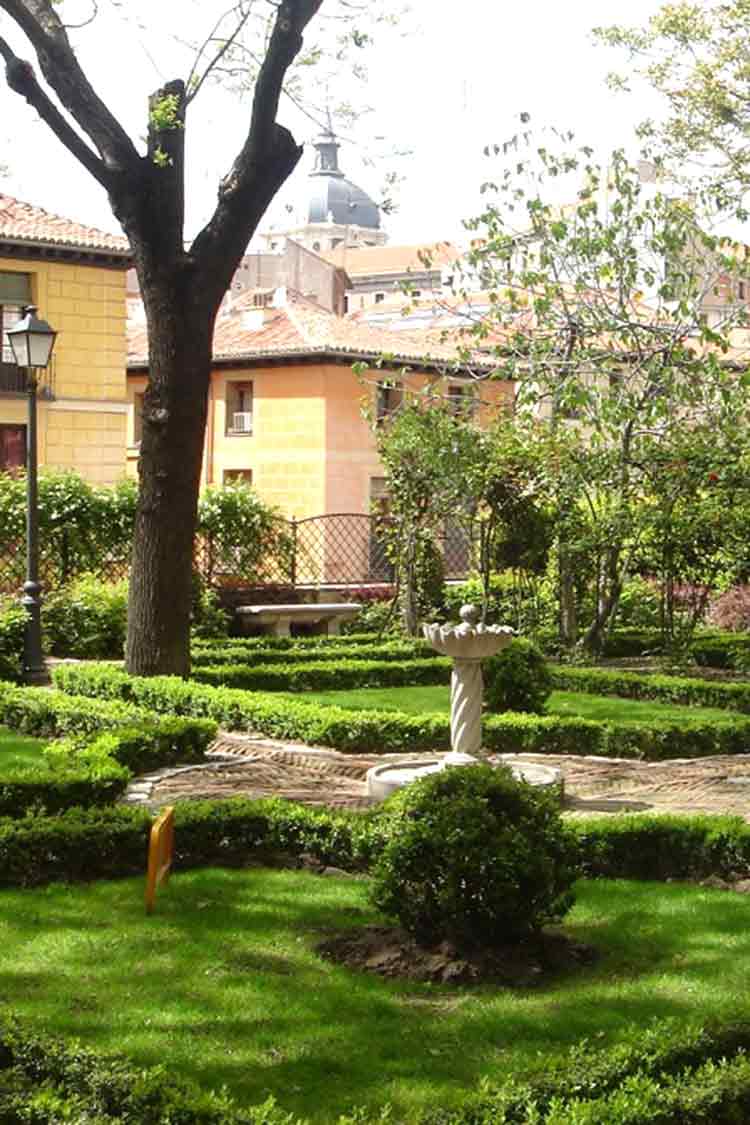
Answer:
[(517, 678), (229, 652), (376, 618), (667, 689), (389, 731), (243, 537), (731, 610), (640, 604), (86, 619), (322, 675), (13, 620), (475, 857), (208, 619)]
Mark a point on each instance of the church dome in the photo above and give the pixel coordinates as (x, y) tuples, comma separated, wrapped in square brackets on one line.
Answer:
[(333, 198)]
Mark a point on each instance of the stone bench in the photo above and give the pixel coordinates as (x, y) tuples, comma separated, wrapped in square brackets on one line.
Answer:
[(278, 619)]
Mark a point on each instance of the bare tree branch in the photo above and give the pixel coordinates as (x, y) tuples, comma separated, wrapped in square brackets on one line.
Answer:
[(193, 83), (60, 67), (268, 155), (22, 80)]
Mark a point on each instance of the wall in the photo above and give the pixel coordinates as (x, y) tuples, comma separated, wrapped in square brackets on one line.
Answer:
[(83, 427)]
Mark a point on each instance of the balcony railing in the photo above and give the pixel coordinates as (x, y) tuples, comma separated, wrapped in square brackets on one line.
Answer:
[(13, 380)]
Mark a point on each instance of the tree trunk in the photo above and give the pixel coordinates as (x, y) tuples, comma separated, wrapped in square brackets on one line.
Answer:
[(174, 420), (568, 607)]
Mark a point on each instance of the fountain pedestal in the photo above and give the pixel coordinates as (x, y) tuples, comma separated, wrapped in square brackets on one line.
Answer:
[(469, 644)]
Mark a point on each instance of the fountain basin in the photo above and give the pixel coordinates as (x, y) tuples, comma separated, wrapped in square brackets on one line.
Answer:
[(389, 777)]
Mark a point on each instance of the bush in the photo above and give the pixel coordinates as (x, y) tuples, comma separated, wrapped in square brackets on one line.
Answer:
[(666, 689), (475, 857), (322, 675), (13, 619), (517, 679), (529, 607), (208, 620), (86, 619), (389, 731), (231, 653), (640, 604), (731, 610)]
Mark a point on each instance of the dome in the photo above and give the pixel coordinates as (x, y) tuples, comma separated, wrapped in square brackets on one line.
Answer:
[(333, 198)]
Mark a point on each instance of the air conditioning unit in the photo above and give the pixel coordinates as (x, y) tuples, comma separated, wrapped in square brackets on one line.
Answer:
[(242, 423)]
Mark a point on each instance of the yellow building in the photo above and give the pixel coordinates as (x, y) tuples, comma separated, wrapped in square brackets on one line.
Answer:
[(285, 406), (76, 276)]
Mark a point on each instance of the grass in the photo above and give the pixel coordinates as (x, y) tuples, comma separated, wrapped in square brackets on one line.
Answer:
[(418, 700), (19, 752), (222, 985)]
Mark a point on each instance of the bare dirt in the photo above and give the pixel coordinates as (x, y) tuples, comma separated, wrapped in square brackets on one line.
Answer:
[(388, 951)]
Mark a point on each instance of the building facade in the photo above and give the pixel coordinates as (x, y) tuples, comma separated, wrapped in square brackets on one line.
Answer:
[(75, 275)]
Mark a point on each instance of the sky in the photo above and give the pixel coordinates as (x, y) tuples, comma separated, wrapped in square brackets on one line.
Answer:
[(452, 78)]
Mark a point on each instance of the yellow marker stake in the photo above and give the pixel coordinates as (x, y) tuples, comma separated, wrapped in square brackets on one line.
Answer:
[(160, 855)]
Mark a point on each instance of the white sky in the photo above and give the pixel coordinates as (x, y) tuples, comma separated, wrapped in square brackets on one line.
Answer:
[(455, 84)]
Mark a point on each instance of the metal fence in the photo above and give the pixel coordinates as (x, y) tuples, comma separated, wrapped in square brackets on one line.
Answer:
[(346, 550)]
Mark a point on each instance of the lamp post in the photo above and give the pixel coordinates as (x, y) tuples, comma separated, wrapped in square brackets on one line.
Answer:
[(32, 341)]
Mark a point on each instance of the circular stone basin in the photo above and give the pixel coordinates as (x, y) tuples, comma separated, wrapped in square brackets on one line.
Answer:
[(386, 779)]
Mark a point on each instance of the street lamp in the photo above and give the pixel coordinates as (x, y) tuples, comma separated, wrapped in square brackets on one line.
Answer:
[(32, 341)]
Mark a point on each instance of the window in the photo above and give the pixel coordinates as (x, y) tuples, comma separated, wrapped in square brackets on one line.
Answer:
[(15, 292), (316, 246), (379, 298), (461, 400), (741, 290), (12, 448), (239, 399), (235, 476), (138, 401), (388, 398)]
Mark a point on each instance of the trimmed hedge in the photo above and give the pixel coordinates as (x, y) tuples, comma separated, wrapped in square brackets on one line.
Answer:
[(230, 653), (45, 1081), (94, 766), (674, 1073), (266, 640), (328, 675), (665, 689), (389, 731), (101, 843)]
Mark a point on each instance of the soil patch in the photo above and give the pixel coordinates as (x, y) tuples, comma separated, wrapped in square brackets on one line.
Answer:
[(390, 952)]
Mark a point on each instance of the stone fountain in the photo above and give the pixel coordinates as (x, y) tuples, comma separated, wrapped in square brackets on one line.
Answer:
[(468, 644)]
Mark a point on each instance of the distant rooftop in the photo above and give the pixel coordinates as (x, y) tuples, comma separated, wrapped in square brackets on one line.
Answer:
[(26, 224)]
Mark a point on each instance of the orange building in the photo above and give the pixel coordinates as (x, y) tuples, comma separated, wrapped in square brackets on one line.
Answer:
[(285, 408)]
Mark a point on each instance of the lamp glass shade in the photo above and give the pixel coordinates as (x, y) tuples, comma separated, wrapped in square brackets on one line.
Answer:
[(32, 340)]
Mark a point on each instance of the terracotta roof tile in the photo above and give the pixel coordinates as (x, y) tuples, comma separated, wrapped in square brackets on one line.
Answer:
[(24, 222), (302, 328)]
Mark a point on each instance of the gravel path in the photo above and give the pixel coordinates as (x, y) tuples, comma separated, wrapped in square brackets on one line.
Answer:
[(254, 766)]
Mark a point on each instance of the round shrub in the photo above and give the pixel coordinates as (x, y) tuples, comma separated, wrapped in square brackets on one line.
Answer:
[(86, 619), (475, 857), (517, 679)]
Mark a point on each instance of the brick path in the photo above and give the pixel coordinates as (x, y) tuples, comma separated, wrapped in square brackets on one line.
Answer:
[(253, 766)]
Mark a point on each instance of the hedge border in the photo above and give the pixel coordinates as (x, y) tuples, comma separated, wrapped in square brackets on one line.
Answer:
[(109, 743), (378, 732), (328, 675), (659, 688)]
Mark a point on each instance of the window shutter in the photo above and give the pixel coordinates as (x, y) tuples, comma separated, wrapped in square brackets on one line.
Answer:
[(15, 289)]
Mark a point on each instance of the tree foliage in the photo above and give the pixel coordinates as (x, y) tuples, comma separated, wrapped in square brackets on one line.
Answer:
[(614, 317)]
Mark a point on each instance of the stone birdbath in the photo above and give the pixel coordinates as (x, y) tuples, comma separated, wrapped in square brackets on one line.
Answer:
[(468, 644)]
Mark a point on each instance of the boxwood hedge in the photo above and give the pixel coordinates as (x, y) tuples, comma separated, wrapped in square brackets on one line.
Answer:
[(390, 731), (672, 1074), (666, 689), (108, 744)]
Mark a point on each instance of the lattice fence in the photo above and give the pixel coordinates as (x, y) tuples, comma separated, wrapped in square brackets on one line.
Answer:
[(331, 550)]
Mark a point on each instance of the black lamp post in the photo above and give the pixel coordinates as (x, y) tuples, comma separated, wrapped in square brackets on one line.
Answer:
[(32, 341)]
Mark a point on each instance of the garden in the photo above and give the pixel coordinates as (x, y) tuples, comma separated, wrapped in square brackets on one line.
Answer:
[(273, 948), (475, 948)]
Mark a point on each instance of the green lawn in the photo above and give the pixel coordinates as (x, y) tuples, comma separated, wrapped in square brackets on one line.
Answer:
[(17, 751), (222, 985), (418, 700)]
